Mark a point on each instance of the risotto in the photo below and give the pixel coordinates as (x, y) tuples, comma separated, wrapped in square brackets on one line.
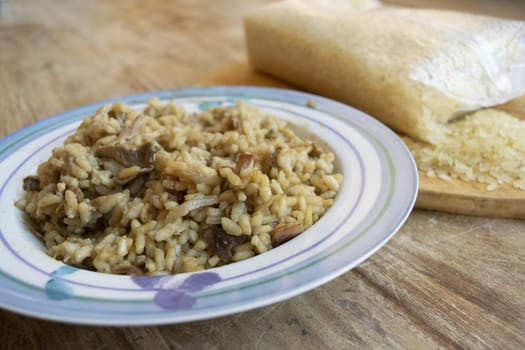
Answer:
[(167, 191)]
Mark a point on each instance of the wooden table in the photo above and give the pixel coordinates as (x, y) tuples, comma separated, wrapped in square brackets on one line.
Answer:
[(443, 281)]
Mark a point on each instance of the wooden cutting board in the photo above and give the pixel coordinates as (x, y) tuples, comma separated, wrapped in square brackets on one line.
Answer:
[(454, 196)]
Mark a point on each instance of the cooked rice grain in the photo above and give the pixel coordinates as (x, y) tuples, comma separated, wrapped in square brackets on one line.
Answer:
[(165, 191)]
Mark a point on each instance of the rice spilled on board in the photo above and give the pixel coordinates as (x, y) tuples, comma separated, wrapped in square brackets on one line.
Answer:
[(487, 146)]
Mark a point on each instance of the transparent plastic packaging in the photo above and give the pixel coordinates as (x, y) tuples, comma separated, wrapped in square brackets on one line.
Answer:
[(414, 69)]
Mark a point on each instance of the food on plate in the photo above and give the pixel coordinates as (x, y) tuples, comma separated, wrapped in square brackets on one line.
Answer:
[(167, 191)]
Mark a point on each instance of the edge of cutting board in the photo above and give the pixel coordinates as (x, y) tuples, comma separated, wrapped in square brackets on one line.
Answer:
[(455, 196)]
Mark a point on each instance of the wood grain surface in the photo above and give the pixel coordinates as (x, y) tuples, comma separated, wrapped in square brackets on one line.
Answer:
[(443, 282), (454, 196)]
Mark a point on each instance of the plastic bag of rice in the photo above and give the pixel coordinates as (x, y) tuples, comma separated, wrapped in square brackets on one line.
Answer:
[(413, 69)]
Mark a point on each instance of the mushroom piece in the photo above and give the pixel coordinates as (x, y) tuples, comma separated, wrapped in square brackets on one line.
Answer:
[(222, 243), (270, 160), (244, 160), (286, 232), (31, 183), (314, 152), (120, 151), (142, 156)]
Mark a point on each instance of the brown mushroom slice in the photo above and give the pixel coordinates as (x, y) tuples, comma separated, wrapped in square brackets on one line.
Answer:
[(270, 160), (31, 183), (314, 152), (221, 243), (244, 160), (142, 156), (284, 233)]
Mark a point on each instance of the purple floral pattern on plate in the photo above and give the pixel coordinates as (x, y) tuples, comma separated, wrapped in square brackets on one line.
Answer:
[(174, 294)]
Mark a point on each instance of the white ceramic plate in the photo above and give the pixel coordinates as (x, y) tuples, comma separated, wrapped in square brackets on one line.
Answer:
[(378, 193)]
